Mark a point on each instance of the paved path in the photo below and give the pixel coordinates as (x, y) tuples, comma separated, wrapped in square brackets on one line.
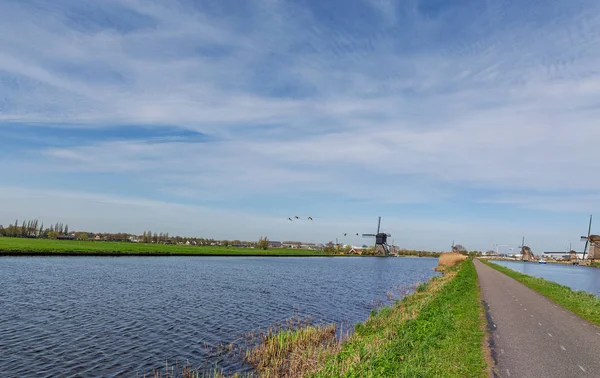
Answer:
[(533, 337)]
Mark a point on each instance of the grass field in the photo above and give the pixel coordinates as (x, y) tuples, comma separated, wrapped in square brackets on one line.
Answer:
[(19, 246), (584, 304)]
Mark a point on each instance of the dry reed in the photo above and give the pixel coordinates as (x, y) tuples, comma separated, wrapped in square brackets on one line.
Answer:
[(450, 259), (295, 350)]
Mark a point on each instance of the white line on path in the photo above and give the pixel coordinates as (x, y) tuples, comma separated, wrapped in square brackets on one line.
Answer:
[(525, 309), (531, 315), (549, 334), (540, 324), (581, 367), (598, 333), (508, 372), (562, 347)]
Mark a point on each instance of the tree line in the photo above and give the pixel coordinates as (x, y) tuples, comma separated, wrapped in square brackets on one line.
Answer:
[(34, 229)]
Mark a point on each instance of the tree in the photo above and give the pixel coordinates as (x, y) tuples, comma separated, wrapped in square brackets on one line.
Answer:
[(225, 243), (329, 248), (458, 248), (263, 243), (82, 236), (66, 228)]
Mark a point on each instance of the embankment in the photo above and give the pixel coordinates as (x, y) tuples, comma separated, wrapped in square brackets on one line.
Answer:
[(583, 304), (437, 331)]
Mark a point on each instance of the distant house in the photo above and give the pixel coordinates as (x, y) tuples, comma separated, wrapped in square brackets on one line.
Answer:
[(66, 237), (355, 251), (275, 244), (291, 244)]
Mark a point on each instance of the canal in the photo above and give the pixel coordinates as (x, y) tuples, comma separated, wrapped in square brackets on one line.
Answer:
[(576, 277), (118, 316)]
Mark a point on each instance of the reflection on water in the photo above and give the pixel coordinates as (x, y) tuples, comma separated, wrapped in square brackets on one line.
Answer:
[(576, 277), (107, 316)]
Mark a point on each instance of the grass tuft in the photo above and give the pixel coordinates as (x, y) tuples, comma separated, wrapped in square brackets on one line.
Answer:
[(297, 349)]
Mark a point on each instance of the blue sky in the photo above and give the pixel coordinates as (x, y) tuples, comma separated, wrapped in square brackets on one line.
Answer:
[(474, 121)]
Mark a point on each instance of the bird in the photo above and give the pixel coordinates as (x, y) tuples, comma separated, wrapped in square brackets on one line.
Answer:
[(344, 234), (297, 217), (357, 234), (289, 219), (310, 218)]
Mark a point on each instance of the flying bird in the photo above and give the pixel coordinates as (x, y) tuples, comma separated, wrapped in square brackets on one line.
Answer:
[(297, 217), (309, 218), (344, 234), (290, 219)]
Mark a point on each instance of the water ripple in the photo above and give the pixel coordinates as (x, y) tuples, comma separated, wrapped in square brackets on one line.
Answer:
[(102, 316)]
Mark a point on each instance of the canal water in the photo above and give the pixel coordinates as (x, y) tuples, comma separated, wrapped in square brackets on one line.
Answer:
[(576, 277), (118, 316)]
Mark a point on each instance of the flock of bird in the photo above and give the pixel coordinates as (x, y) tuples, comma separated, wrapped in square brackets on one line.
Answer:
[(297, 217)]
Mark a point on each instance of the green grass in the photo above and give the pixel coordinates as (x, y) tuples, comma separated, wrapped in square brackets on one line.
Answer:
[(436, 332), (584, 304), (16, 246)]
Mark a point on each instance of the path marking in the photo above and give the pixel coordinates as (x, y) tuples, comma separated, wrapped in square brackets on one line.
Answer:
[(540, 324), (549, 334), (562, 347), (508, 372), (525, 309), (502, 351), (581, 367), (531, 315), (598, 333)]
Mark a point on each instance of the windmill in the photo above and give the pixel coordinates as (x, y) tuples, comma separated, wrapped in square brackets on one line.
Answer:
[(526, 254), (573, 255), (593, 241), (381, 245)]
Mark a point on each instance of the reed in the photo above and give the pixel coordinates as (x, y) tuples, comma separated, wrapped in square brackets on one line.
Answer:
[(295, 350), (450, 259)]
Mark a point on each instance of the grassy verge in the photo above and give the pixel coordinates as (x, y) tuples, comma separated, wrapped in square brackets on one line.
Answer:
[(437, 331), (584, 304), (18, 246)]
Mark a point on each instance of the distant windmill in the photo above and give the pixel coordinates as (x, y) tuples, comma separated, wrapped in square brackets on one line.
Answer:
[(593, 241), (381, 245), (526, 254)]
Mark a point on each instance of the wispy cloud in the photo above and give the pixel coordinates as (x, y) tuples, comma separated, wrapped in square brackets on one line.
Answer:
[(380, 101)]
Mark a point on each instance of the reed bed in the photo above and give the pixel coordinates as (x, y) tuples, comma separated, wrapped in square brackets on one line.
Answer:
[(449, 259), (295, 350)]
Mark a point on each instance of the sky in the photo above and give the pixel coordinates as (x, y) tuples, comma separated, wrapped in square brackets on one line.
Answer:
[(472, 121)]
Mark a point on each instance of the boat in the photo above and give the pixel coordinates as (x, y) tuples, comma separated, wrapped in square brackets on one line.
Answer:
[(542, 261)]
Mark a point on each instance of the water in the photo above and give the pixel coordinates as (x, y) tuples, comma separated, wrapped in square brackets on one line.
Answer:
[(110, 316), (576, 277)]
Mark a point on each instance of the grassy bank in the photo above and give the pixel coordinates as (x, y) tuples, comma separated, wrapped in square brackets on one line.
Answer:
[(437, 331), (18, 246), (584, 304)]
